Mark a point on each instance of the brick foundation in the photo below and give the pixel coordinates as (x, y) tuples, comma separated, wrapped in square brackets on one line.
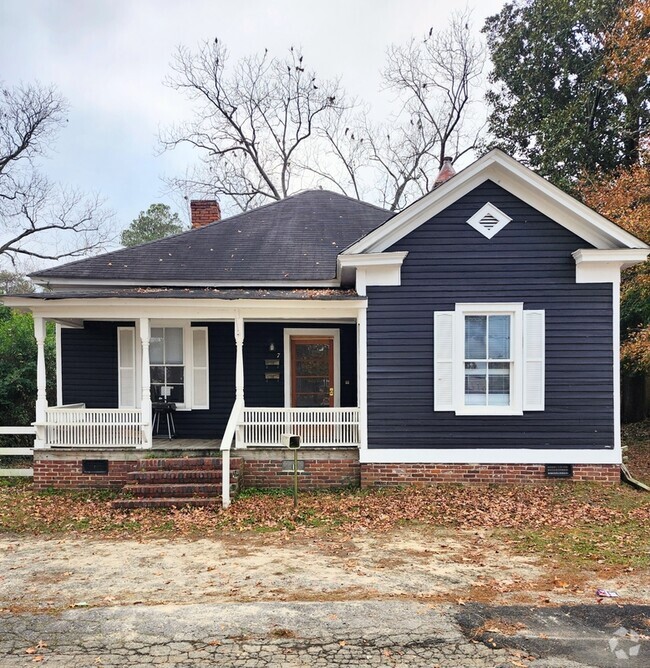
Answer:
[(67, 474), (393, 475), (315, 473), (317, 470)]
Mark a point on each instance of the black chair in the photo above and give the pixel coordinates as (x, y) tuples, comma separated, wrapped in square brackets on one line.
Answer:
[(167, 409)]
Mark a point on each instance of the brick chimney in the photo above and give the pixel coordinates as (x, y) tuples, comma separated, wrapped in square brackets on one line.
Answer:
[(445, 173), (203, 212)]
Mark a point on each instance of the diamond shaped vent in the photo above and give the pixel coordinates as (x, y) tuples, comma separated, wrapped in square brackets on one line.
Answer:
[(489, 220)]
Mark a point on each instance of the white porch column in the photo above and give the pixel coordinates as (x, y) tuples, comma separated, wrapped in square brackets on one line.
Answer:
[(145, 403), (239, 364), (41, 383), (362, 377), (59, 367)]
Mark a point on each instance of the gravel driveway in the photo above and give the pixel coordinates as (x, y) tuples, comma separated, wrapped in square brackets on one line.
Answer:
[(403, 599)]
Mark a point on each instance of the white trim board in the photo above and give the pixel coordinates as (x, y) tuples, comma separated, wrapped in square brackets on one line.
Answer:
[(315, 332), (190, 309), (517, 180), (488, 456)]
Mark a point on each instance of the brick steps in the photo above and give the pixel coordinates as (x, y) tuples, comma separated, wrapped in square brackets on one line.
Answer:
[(178, 482), (176, 491), (182, 463), (166, 503), (177, 476)]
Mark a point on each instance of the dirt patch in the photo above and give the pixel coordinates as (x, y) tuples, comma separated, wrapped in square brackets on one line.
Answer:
[(38, 574)]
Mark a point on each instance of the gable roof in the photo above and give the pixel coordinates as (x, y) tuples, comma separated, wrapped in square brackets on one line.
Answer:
[(518, 180), (295, 239)]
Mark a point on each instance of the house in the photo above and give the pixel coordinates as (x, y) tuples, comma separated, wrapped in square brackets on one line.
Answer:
[(472, 336)]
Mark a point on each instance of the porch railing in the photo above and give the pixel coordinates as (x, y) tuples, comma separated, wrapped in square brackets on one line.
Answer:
[(77, 426), (316, 426)]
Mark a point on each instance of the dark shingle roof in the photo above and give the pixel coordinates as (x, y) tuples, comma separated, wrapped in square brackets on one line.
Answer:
[(297, 238)]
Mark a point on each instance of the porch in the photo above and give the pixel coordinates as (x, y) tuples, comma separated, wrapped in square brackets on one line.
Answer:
[(260, 370)]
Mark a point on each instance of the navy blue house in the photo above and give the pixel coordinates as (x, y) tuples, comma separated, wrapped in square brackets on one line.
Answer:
[(471, 336)]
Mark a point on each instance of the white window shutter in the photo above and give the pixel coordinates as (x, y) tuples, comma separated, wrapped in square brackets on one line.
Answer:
[(443, 361), (126, 366), (200, 381), (533, 361)]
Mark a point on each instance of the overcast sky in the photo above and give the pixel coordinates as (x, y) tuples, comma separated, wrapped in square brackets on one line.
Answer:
[(109, 59)]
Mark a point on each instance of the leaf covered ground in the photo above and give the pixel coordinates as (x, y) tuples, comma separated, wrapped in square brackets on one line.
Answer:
[(576, 521), (585, 521)]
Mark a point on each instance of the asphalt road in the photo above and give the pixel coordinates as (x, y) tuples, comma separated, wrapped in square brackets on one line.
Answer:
[(360, 633)]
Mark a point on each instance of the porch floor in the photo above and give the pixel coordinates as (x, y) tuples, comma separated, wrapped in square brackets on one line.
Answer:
[(181, 444)]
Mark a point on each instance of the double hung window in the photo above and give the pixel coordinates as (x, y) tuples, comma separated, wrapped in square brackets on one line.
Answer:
[(167, 364), (178, 365), (489, 359)]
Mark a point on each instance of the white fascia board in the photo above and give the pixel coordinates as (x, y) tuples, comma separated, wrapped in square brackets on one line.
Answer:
[(372, 259), (97, 284), (604, 266), (192, 309), (488, 456), (520, 182)]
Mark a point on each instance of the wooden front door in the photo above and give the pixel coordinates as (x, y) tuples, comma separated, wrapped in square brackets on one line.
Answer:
[(312, 371)]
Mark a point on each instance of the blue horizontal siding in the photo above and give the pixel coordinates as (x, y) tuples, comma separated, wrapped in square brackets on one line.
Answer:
[(89, 359), (528, 261)]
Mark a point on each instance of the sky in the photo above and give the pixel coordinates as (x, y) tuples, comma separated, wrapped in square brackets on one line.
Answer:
[(109, 59)]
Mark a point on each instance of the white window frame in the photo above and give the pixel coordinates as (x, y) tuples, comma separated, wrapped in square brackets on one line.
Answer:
[(515, 311), (187, 392), (188, 361)]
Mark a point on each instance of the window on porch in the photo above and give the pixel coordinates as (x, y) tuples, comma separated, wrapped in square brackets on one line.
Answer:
[(167, 364)]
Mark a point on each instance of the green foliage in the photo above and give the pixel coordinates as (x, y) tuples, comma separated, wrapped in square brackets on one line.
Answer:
[(18, 367), (157, 222), (554, 103), (14, 283)]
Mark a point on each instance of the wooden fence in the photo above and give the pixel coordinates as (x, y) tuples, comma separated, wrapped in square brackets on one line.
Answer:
[(16, 451)]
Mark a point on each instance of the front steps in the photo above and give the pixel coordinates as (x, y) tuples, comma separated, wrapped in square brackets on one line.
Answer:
[(178, 482)]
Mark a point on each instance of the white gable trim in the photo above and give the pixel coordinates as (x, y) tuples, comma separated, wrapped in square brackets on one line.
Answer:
[(517, 180)]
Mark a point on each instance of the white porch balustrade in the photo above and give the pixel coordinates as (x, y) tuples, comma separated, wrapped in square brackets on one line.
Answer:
[(263, 427), (79, 427)]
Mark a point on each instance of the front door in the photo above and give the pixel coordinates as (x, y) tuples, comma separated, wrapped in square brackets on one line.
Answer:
[(312, 371)]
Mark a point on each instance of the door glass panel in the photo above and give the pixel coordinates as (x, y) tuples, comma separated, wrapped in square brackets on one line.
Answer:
[(313, 376), (312, 359)]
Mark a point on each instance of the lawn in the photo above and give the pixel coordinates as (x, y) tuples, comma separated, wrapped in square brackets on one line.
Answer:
[(578, 522)]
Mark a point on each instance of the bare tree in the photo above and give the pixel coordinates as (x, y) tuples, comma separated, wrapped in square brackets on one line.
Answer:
[(436, 81), (38, 219), (437, 78), (252, 123), (267, 127)]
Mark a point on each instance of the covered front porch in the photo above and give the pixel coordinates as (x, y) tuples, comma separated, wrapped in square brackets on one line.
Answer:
[(237, 376)]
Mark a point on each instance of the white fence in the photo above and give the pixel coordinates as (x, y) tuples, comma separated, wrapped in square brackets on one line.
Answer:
[(315, 426), (68, 426), (16, 451)]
